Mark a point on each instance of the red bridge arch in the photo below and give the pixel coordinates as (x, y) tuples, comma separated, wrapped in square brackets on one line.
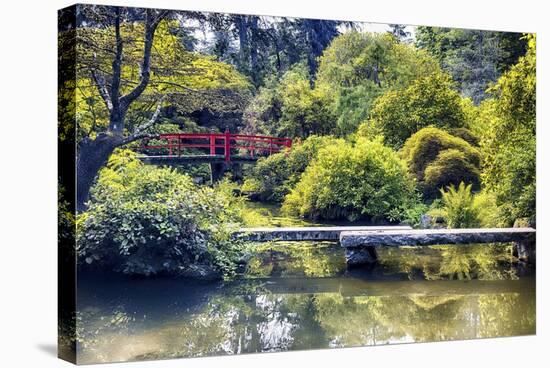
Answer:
[(174, 144)]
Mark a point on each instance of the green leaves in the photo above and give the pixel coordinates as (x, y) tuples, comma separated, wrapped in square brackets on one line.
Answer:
[(458, 207), (509, 142), (438, 159), (147, 220), (353, 181), (274, 177), (429, 100)]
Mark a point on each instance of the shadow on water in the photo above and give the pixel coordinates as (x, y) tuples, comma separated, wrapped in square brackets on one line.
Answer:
[(302, 297)]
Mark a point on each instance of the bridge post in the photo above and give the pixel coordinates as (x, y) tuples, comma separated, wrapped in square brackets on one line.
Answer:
[(227, 146), (212, 144), (217, 170)]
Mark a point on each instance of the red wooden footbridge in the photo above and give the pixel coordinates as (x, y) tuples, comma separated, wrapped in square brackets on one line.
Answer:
[(187, 148)]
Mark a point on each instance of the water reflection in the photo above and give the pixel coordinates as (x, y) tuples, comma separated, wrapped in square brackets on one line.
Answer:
[(324, 259), (301, 296)]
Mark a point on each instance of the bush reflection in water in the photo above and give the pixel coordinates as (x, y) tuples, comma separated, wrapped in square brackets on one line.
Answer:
[(300, 296)]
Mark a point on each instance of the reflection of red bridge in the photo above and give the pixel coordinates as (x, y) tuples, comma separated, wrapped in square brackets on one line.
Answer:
[(180, 148)]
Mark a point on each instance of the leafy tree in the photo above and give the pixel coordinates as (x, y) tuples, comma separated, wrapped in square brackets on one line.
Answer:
[(115, 100), (353, 71), (290, 107), (450, 166), (355, 58), (305, 111), (263, 46), (509, 145), (353, 181), (399, 31), (144, 220), (317, 34), (361, 66), (263, 113), (274, 177), (474, 58), (437, 159), (428, 101)]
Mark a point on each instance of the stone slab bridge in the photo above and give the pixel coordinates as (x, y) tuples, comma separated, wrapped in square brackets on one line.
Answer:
[(220, 150), (360, 242)]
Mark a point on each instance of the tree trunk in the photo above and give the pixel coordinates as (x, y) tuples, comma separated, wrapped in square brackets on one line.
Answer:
[(92, 155)]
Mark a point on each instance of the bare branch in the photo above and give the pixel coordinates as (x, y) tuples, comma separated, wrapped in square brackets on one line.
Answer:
[(117, 62), (102, 87), (136, 137), (189, 89), (151, 121), (151, 23)]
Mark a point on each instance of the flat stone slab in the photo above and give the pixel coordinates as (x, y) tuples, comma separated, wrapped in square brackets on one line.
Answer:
[(320, 233), (392, 238)]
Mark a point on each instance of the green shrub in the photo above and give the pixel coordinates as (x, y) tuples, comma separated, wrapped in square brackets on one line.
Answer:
[(437, 159), (450, 167), (361, 180), (509, 144), (274, 177), (458, 207), (269, 178), (465, 134), (144, 220), (488, 212), (398, 114)]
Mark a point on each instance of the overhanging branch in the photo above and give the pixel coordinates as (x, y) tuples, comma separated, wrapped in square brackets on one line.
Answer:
[(102, 87), (151, 121)]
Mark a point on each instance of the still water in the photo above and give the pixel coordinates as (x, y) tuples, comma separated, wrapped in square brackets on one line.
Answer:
[(301, 296)]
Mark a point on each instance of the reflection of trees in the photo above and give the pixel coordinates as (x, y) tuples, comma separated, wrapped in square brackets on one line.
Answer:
[(350, 321), (377, 320), (303, 259), (506, 315), (480, 261), (233, 324), (243, 317), (429, 318), (442, 262)]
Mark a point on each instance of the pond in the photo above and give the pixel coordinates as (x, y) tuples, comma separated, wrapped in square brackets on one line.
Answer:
[(301, 296)]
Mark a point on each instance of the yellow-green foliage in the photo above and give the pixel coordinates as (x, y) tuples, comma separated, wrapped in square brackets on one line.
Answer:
[(428, 101), (355, 58), (144, 220), (450, 166), (274, 177), (304, 110), (509, 141), (458, 207), (436, 159), (291, 107), (361, 180), (466, 134), (175, 74), (359, 67)]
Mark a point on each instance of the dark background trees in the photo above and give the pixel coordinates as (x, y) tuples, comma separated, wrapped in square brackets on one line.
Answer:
[(474, 58)]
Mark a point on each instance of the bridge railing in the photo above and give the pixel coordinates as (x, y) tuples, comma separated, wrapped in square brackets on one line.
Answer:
[(176, 144)]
